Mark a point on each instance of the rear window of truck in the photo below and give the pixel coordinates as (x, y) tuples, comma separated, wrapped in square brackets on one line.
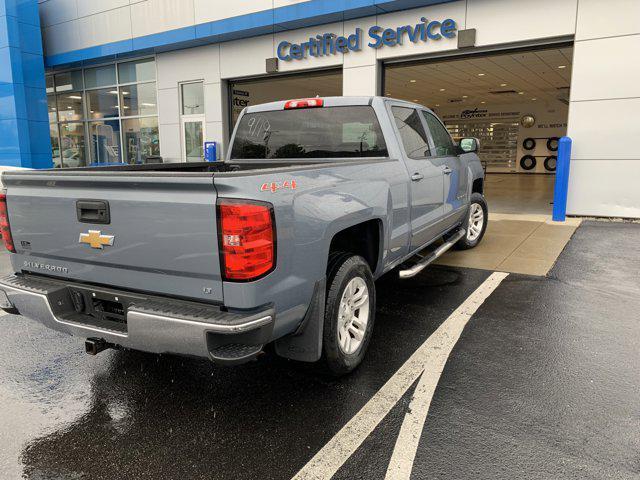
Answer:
[(329, 132)]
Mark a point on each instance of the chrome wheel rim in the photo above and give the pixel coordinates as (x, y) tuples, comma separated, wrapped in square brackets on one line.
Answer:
[(476, 222), (353, 315)]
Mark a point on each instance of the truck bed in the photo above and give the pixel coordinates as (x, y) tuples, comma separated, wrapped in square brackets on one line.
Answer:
[(199, 167)]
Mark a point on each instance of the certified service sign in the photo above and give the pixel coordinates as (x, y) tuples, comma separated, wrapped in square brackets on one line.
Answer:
[(378, 37)]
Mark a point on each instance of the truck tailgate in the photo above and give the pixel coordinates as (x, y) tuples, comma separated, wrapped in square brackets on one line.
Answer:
[(163, 229)]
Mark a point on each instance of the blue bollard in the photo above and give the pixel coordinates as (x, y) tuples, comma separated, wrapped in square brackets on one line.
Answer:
[(562, 180)]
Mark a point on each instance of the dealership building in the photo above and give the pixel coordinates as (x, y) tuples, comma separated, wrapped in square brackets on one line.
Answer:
[(145, 81)]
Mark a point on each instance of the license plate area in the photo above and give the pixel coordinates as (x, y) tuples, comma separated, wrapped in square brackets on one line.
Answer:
[(94, 307)]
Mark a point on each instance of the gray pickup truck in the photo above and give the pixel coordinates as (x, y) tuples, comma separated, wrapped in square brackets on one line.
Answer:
[(279, 244)]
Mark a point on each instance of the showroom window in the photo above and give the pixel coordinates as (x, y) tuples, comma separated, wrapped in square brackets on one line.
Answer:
[(103, 115)]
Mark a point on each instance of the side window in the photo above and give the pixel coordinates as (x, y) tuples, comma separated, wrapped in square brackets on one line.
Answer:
[(441, 138), (412, 133)]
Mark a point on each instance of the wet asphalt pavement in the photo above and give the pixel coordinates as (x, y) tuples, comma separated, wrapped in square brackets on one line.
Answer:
[(543, 383)]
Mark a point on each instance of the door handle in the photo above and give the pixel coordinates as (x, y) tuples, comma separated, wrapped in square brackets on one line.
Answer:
[(447, 171), (416, 177)]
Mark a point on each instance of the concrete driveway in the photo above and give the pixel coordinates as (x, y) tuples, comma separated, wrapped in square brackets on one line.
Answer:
[(471, 374)]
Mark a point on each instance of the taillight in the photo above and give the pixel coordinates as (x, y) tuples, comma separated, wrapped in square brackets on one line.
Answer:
[(4, 224), (247, 239), (304, 103)]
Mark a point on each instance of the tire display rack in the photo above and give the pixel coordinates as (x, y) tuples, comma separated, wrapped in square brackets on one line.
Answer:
[(529, 161)]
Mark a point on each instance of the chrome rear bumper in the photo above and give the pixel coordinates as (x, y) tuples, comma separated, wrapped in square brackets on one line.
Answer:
[(153, 324)]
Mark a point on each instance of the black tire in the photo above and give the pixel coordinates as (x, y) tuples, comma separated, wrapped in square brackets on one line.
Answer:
[(529, 144), (342, 269), (465, 243), (552, 144), (528, 162), (550, 163)]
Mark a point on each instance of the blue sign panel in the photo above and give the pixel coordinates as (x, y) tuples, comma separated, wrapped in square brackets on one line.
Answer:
[(378, 37)]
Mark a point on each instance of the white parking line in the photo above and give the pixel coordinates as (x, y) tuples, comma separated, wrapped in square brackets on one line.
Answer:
[(429, 360)]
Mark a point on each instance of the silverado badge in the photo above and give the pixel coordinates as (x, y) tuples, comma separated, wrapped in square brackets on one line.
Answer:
[(96, 240)]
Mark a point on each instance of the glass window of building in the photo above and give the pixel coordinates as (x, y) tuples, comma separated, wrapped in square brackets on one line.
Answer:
[(103, 103), (70, 106), (138, 100), (49, 83), (193, 98), (104, 114), (105, 141), (55, 145), (100, 76), (72, 145), (141, 139), (138, 71), (69, 81), (192, 121)]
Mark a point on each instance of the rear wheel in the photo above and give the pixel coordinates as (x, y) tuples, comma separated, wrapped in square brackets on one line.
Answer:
[(349, 313), (476, 223)]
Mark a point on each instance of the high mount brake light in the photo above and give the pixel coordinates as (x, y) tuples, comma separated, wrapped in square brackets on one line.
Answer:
[(4, 224), (247, 239), (304, 103)]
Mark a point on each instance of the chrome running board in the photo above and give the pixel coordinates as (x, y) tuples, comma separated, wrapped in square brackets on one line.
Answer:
[(433, 256)]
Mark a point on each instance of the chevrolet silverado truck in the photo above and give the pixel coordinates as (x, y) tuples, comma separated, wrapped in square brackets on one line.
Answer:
[(280, 243)]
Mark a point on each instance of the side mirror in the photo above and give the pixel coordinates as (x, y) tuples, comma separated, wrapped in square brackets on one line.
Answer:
[(469, 145)]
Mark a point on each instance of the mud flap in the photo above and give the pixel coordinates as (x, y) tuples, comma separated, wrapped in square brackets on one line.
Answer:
[(305, 344)]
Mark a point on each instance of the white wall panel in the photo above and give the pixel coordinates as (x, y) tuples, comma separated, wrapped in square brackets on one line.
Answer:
[(604, 188), (200, 63), (606, 68), (168, 106), (57, 11), (597, 19), (454, 10), (241, 58), (367, 56), (170, 149), (360, 80), (286, 3), (605, 129), (62, 37), (208, 11), (505, 21), (154, 16), (92, 7), (213, 99), (110, 26), (214, 133)]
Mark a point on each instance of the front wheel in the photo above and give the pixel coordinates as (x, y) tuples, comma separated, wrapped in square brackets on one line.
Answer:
[(475, 224), (349, 313)]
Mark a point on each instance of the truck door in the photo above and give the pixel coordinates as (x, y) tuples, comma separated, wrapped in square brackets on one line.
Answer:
[(426, 186), (455, 172)]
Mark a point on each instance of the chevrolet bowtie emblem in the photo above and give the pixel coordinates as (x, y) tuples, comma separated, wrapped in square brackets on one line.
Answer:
[(96, 240)]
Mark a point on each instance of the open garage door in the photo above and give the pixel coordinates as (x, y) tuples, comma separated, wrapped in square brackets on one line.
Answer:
[(516, 103), (243, 93)]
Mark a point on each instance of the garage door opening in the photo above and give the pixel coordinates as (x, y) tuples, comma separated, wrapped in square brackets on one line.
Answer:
[(516, 103), (243, 93)]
